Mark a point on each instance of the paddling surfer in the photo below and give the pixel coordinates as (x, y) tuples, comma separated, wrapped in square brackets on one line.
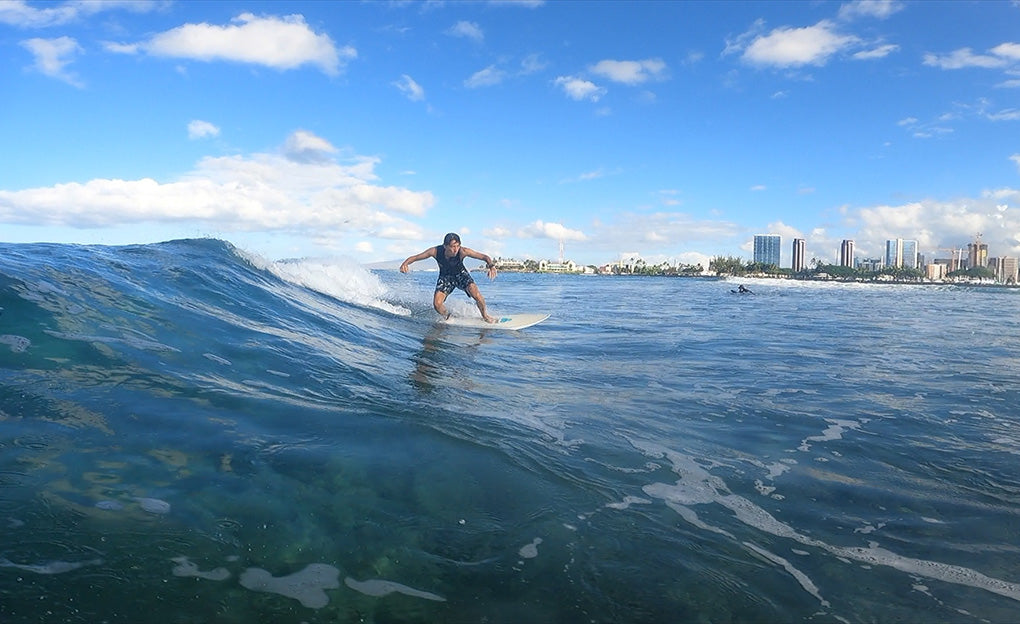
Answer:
[(453, 274)]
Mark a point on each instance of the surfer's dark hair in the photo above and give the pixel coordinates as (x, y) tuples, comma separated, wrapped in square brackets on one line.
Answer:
[(452, 236)]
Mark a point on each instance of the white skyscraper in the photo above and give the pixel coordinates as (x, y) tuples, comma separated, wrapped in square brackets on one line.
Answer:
[(901, 253)]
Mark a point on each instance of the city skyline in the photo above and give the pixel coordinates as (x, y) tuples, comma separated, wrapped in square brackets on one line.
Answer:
[(900, 254), (297, 129)]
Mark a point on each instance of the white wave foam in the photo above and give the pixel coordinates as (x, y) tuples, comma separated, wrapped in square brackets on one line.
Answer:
[(340, 278), (805, 582), (697, 486), (137, 343)]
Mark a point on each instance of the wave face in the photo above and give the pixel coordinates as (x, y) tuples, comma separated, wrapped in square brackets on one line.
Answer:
[(191, 433)]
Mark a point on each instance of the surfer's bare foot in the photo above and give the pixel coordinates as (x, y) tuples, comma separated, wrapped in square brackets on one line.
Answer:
[(490, 319)]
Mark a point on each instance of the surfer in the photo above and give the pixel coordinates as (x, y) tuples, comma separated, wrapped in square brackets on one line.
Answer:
[(453, 274), (744, 289)]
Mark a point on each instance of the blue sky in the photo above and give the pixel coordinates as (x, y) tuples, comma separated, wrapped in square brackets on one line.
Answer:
[(369, 129)]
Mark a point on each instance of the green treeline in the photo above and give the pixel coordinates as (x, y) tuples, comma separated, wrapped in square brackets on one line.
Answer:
[(736, 267)]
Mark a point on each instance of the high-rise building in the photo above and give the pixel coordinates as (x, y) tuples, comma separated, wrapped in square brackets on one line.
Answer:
[(910, 256), (977, 254), (870, 264), (1008, 269), (893, 253), (901, 253), (799, 255), (936, 271), (846, 253), (766, 248)]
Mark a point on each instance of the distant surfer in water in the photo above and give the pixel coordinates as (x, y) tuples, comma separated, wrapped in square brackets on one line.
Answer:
[(453, 274), (742, 290)]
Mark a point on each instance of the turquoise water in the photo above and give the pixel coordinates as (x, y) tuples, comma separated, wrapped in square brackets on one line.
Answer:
[(191, 434)]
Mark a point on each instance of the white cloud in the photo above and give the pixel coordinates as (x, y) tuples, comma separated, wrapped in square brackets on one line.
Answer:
[(787, 232), (303, 146), (497, 233), (122, 48), (1009, 114), (528, 4), (1007, 50), (580, 89), (879, 52), (588, 176), (555, 231), (880, 9), (468, 30), (21, 14), (668, 197), (1016, 158), (931, 132), (963, 58), (947, 224), (532, 63), (198, 129), (794, 47), (487, 77), (256, 192), (279, 42), (693, 58), (630, 72), (410, 88), (673, 230), (52, 56)]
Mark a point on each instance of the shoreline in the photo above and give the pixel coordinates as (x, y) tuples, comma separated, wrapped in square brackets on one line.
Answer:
[(889, 282)]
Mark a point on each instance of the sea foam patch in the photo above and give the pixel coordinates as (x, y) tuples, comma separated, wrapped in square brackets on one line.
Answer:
[(186, 567), (306, 586), (834, 431), (380, 587), (697, 486), (17, 344), (50, 567), (530, 551), (628, 501), (153, 505)]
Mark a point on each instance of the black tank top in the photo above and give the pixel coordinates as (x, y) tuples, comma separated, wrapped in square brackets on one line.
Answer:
[(449, 266)]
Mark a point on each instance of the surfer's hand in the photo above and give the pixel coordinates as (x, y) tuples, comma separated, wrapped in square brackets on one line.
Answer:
[(492, 274), (404, 268)]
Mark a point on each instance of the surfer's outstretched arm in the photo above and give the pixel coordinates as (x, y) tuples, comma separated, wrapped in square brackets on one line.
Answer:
[(489, 264), (428, 253)]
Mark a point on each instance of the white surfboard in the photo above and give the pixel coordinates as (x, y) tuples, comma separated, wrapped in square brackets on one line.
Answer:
[(510, 321)]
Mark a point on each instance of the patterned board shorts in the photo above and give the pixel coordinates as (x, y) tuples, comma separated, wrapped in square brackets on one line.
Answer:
[(446, 283)]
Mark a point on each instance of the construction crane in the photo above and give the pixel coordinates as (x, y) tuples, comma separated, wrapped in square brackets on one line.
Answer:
[(956, 259)]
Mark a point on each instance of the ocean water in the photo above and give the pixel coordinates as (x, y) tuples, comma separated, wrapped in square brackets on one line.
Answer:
[(189, 433)]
